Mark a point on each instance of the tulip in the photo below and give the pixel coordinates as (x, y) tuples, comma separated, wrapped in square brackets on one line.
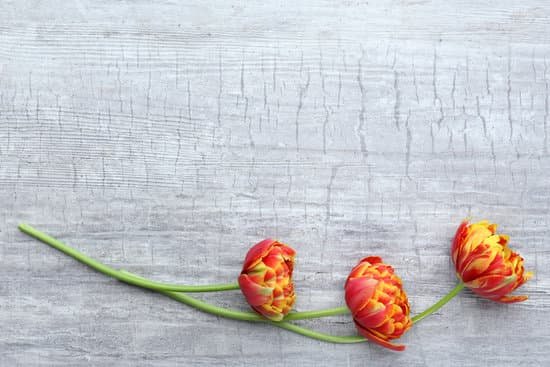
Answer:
[(378, 303), (485, 263), (266, 279)]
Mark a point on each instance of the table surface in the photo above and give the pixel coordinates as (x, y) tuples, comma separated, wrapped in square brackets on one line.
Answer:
[(167, 138)]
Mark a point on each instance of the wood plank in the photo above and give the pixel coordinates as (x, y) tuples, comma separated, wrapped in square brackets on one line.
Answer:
[(168, 138)]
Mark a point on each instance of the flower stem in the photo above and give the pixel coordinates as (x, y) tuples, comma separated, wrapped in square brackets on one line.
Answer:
[(291, 316), (107, 270), (174, 292), (249, 316), (317, 335), (317, 313), (171, 289), (436, 306)]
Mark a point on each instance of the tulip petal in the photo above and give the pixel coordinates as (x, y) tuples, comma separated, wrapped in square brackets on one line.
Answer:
[(359, 291), (477, 233), (373, 315), (378, 340), (461, 233), (269, 312), (254, 293), (512, 299), (480, 259), (257, 252), (372, 260)]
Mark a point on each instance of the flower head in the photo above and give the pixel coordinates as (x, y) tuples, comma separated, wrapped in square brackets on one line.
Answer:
[(485, 263), (266, 279), (378, 303)]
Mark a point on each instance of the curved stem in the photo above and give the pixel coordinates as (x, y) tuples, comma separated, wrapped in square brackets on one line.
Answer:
[(291, 316), (142, 282), (138, 281), (211, 309), (250, 316), (436, 306), (317, 313), (317, 335), (107, 270), (173, 291)]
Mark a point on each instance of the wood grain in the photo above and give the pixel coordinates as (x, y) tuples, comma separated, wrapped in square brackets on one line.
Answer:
[(167, 138)]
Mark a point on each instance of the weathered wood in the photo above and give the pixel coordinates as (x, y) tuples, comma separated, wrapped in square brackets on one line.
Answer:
[(168, 138)]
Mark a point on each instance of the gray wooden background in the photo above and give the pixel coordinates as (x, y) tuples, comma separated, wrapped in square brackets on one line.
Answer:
[(168, 138)]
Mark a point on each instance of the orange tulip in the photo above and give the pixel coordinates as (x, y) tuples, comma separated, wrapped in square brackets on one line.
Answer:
[(378, 303), (485, 263), (266, 279)]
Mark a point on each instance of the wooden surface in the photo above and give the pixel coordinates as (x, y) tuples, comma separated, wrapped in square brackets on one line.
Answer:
[(168, 138)]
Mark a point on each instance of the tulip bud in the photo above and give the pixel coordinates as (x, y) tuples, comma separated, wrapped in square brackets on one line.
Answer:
[(485, 263), (266, 279), (378, 303)]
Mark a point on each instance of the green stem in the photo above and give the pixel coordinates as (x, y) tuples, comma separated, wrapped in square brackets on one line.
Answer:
[(290, 317), (211, 309), (249, 316), (317, 313), (107, 270), (344, 310), (173, 291), (317, 335), (138, 281), (436, 306)]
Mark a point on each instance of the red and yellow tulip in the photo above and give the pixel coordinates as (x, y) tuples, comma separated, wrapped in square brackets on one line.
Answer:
[(378, 303), (266, 279), (485, 263)]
